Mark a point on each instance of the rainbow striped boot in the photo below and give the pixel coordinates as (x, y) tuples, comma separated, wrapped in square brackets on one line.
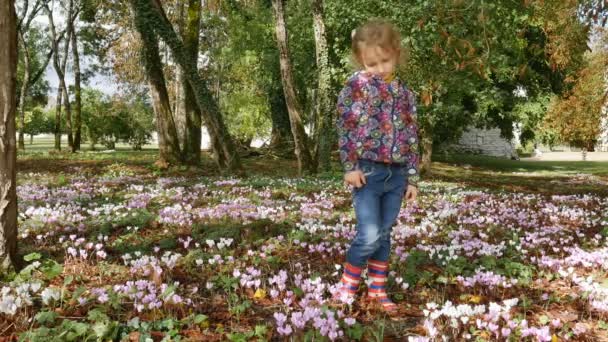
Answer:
[(377, 271), (349, 284)]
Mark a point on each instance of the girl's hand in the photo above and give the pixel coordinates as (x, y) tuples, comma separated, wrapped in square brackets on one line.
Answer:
[(355, 178), (411, 193)]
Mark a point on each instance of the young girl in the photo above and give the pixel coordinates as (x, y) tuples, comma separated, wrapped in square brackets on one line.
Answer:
[(379, 151)]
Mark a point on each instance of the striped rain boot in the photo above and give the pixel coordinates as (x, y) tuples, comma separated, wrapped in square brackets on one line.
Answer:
[(349, 284), (378, 274)]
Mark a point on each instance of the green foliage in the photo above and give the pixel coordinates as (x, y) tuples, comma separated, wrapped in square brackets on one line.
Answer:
[(38, 121), (37, 44), (240, 48), (107, 120), (355, 332), (412, 266)]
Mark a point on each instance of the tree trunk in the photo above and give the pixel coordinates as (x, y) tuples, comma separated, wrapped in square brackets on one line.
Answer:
[(66, 95), (324, 111), (192, 141), (179, 112), (426, 142), (24, 88), (8, 148), (281, 130), (77, 92), (152, 10), (59, 67), (281, 138), (305, 162), (31, 139), (168, 143), (58, 119)]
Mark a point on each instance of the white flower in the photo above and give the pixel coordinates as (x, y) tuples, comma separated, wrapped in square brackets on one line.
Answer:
[(48, 294), (8, 305), (35, 287)]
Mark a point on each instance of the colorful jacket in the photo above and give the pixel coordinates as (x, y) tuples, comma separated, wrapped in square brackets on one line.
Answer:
[(377, 122)]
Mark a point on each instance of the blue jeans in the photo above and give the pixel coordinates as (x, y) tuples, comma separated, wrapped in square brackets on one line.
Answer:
[(377, 206)]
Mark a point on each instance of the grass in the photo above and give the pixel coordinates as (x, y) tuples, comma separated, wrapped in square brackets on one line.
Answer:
[(528, 166), (550, 177)]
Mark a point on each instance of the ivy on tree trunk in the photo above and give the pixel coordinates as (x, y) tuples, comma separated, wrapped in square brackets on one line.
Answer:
[(168, 143), (152, 11), (305, 161), (192, 141), (323, 107)]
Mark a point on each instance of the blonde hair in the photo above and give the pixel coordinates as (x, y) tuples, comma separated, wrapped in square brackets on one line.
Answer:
[(377, 32)]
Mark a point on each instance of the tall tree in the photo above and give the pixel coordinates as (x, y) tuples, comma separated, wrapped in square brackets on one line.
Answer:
[(60, 65), (190, 36), (153, 11), (8, 148), (168, 142), (576, 116), (305, 161), (324, 108), (77, 88)]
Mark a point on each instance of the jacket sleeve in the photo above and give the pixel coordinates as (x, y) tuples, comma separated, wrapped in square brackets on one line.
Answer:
[(351, 106), (413, 156)]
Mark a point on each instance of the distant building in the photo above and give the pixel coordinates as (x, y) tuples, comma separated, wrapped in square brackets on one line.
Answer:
[(602, 143), (485, 142)]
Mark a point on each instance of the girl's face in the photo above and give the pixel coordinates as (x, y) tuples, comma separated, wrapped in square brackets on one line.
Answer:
[(378, 61)]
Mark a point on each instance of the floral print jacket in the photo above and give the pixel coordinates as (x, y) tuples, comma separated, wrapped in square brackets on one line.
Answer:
[(377, 122)]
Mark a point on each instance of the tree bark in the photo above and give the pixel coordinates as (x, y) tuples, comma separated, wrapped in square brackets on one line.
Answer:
[(8, 147), (77, 92), (192, 141), (66, 95), (58, 119), (281, 139), (179, 112), (152, 10), (24, 89), (305, 162), (323, 107), (59, 67), (168, 142), (281, 130)]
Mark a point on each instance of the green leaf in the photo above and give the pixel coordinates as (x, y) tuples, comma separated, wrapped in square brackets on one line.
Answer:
[(101, 329), (198, 319), (96, 315), (133, 323), (355, 332), (32, 256), (68, 280), (46, 317), (52, 269), (261, 330)]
